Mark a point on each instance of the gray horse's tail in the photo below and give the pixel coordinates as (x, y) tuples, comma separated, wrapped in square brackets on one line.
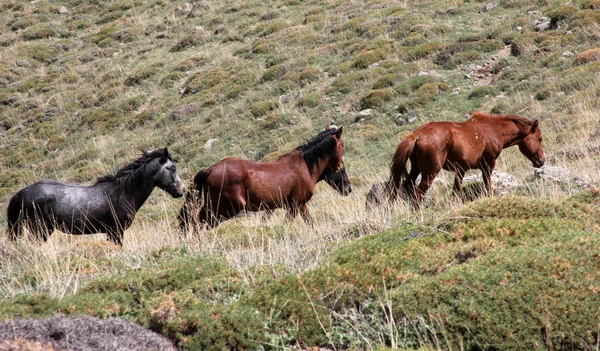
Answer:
[(188, 215), (13, 216)]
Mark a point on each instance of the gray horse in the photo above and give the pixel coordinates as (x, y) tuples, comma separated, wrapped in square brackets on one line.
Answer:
[(109, 206)]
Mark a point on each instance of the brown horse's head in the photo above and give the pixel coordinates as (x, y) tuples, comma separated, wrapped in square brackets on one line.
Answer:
[(339, 181), (335, 161), (531, 146)]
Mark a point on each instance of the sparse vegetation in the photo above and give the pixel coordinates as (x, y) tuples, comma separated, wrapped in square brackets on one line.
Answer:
[(81, 92)]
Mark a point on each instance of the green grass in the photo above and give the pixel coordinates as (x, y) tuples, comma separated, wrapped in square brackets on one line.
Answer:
[(81, 93)]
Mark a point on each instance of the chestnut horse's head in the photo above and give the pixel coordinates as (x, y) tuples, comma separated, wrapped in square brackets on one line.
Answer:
[(339, 181), (335, 161), (531, 146)]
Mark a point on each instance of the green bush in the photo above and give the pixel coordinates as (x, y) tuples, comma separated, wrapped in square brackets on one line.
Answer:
[(422, 50), (312, 99), (368, 58), (561, 14), (39, 32), (23, 23), (140, 75), (261, 108), (374, 98), (480, 92), (385, 81)]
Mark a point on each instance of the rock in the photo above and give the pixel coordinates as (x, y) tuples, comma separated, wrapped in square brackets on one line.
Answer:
[(567, 54), (366, 112), (519, 28), (78, 334), (63, 10), (542, 24), (501, 182), (422, 73), (490, 6), (184, 110), (376, 195), (282, 99), (401, 119), (9, 100), (23, 63), (558, 175), (208, 145), (299, 95)]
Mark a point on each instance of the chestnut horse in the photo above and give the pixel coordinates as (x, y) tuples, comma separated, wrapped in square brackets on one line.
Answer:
[(233, 185), (459, 146)]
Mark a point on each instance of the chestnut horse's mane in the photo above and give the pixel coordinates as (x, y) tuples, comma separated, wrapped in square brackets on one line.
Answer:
[(523, 123), (318, 148)]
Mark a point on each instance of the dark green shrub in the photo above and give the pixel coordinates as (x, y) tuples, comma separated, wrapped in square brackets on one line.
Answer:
[(463, 57), (310, 100), (422, 50), (38, 32), (522, 44), (480, 92), (375, 98), (261, 108), (140, 75), (561, 14), (368, 58), (23, 23), (385, 81)]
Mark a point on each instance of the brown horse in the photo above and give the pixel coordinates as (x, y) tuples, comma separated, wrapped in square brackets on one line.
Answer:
[(459, 146), (233, 185)]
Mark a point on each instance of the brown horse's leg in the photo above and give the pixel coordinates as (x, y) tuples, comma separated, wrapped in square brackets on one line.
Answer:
[(305, 214), (486, 172), (410, 182), (458, 178), (426, 181), (266, 215)]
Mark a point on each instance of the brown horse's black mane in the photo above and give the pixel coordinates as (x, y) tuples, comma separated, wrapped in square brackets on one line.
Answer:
[(127, 171), (523, 123), (318, 147)]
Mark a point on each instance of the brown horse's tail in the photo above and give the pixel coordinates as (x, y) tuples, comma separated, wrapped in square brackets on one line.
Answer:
[(188, 215), (398, 170)]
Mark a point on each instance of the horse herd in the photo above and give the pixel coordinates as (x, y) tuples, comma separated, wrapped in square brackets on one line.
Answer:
[(233, 185)]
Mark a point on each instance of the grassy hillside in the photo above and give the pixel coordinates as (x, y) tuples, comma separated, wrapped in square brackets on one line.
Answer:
[(82, 90)]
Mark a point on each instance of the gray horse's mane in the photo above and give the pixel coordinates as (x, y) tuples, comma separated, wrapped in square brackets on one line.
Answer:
[(127, 171)]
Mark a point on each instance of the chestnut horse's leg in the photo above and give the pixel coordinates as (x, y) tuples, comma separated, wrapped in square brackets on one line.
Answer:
[(410, 182), (459, 174), (486, 171), (426, 181), (305, 214)]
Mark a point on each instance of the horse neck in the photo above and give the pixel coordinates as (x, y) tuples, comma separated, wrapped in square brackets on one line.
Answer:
[(318, 169), (509, 132), (136, 189)]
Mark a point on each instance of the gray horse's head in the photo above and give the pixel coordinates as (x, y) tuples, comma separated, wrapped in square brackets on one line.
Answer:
[(165, 176)]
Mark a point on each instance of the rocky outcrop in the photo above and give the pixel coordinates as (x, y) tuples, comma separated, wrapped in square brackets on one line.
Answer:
[(81, 333)]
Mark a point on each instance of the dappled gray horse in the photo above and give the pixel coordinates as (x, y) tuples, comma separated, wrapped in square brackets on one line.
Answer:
[(109, 206)]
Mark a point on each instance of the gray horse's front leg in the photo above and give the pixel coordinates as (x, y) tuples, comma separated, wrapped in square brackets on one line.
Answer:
[(115, 236)]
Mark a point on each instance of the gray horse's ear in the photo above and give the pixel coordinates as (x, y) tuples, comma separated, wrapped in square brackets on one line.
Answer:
[(339, 132), (165, 157), (534, 126)]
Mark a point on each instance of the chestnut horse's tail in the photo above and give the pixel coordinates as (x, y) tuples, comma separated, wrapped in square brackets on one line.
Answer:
[(192, 203), (398, 170)]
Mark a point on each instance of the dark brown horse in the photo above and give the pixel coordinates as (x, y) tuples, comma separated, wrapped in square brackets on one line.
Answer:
[(459, 146), (233, 185)]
